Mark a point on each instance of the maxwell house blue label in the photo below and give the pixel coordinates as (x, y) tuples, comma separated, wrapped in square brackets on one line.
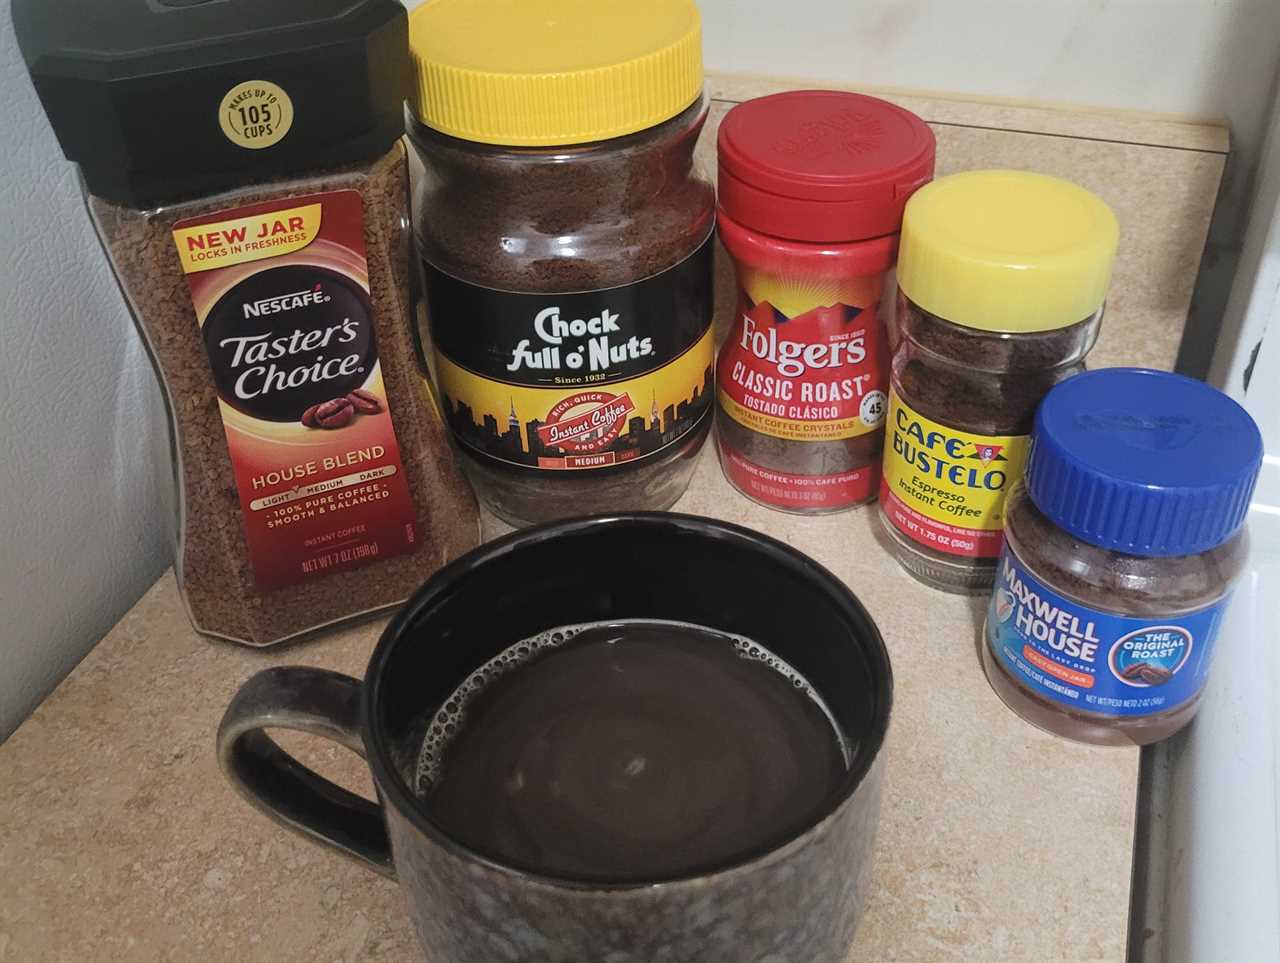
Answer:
[(1096, 661)]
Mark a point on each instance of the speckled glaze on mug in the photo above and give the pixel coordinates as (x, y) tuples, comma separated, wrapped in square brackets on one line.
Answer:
[(798, 902)]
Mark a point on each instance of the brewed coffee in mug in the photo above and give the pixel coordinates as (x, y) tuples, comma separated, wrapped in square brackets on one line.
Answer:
[(619, 738)]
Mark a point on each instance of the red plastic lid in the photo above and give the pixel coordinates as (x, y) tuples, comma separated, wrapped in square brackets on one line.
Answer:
[(821, 165)]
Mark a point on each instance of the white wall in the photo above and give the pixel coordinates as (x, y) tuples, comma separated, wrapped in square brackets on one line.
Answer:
[(1248, 364), (1199, 57), (85, 481), (84, 463), (1212, 59), (1214, 787)]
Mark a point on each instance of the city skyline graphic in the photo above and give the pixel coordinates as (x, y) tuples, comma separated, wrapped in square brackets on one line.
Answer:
[(515, 438)]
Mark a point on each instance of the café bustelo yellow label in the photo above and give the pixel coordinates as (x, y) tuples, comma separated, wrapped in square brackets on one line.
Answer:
[(944, 488)]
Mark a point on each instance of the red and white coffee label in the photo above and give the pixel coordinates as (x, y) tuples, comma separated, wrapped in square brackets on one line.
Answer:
[(819, 375), (586, 422), (281, 293), (799, 492), (816, 377)]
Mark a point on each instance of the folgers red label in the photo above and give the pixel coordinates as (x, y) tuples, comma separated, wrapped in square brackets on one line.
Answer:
[(281, 294), (818, 376)]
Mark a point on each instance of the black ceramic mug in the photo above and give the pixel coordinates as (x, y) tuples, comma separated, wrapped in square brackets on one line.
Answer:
[(797, 902)]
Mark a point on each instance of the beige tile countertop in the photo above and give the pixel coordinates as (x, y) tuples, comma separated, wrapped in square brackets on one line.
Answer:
[(119, 839)]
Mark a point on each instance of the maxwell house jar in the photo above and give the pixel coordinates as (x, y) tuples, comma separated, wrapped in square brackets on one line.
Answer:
[(1121, 550)]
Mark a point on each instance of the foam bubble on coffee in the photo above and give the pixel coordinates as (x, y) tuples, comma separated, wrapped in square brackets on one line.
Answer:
[(451, 716)]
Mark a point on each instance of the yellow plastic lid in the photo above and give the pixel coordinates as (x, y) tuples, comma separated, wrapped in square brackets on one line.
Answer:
[(532, 73), (1007, 251)]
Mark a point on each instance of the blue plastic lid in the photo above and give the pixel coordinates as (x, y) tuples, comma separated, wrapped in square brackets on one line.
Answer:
[(1143, 462)]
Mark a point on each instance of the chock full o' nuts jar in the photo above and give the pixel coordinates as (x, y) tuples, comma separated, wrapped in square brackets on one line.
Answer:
[(566, 247), (1002, 277), (246, 174)]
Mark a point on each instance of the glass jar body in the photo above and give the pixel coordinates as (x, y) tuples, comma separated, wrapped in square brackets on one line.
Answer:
[(802, 378), (1101, 588), (216, 567), (608, 244), (962, 404)]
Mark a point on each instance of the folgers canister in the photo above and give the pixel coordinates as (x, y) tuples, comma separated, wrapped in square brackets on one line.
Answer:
[(812, 188)]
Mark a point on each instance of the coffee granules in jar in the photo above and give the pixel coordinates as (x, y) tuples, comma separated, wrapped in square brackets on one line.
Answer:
[(566, 249), (1002, 277), (1121, 548), (256, 219), (812, 187)]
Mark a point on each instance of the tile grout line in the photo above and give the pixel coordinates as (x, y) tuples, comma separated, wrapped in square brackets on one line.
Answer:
[(1044, 133)]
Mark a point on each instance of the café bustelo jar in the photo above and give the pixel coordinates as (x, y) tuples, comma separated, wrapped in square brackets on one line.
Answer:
[(1002, 277)]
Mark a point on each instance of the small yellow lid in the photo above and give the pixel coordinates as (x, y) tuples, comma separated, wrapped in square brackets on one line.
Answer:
[(532, 73), (1007, 251)]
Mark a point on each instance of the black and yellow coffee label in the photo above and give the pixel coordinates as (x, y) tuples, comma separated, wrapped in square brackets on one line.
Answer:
[(945, 488), (255, 114), (573, 381)]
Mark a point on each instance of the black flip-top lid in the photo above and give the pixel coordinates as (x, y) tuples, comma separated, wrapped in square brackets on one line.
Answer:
[(158, 100)]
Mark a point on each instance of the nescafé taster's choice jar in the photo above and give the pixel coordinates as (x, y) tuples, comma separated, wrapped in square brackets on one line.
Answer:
[(1002, 277), (245, 173), (1121, 549), (566, 247), (812, 187)]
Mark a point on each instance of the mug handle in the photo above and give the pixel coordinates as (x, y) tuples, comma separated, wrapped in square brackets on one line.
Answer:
[(321, 703)]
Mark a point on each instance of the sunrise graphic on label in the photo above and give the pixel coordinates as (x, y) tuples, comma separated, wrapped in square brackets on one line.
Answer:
[(813, 377)]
